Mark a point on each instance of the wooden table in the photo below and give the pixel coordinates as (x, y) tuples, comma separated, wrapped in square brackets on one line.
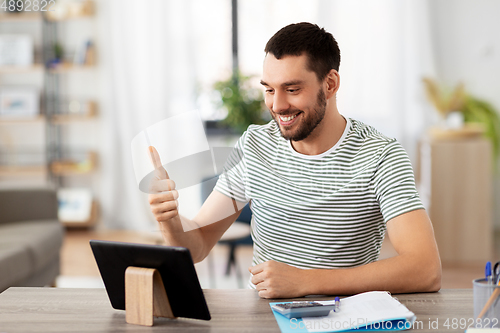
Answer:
[(89, 310)]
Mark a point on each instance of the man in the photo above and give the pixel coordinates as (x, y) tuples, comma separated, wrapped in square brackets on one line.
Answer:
[(323, 189)]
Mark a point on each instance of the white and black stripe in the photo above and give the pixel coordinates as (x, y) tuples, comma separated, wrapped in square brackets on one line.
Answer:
[(321, 211)]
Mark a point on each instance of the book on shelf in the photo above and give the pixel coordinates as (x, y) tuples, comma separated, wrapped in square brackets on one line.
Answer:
[(85, 54)]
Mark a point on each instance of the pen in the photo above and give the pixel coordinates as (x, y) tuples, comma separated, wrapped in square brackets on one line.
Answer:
[(487, 272), (337, 304), (495, 272)]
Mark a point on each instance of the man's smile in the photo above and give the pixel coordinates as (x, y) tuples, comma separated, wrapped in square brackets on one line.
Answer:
[(288, 120)]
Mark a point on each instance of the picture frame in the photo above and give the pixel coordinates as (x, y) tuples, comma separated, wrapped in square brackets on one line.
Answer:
[(19, 102), (16, 50), (75, 205)]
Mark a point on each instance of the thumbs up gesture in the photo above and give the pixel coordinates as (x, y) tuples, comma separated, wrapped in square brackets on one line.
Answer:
[(163, 200)]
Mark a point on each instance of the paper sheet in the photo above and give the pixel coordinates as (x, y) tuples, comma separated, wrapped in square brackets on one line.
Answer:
[(366, 309), (360, 310)]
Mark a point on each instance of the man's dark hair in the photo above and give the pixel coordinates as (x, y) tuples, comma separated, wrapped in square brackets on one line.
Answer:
[(296, 39)]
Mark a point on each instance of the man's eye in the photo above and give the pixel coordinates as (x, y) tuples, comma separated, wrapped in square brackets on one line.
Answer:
[(269, 91), (292, 90)]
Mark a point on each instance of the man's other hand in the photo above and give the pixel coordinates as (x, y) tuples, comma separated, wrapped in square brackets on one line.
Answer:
[(274, 279)]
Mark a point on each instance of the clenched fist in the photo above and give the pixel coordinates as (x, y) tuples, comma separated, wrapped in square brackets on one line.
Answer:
[(274, 279)]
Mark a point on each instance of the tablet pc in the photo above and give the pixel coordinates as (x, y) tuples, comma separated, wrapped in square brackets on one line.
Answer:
[(174, 264)]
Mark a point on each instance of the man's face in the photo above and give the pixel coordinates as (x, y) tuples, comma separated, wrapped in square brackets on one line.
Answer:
[(294, 96)]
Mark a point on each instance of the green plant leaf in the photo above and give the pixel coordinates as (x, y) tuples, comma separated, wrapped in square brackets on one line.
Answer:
[(479, 111), (244, 103)]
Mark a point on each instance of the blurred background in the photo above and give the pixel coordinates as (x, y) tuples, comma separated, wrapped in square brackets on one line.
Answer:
[(79, 79)]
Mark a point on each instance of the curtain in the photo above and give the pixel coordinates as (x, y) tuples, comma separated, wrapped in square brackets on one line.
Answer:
[(386, 49), (148, 74), (160, 58)]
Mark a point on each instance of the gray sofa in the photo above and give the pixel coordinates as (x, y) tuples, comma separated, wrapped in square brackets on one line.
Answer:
[(30, 238)]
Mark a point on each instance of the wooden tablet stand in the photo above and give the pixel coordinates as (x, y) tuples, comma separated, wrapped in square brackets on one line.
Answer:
[(145, 296)]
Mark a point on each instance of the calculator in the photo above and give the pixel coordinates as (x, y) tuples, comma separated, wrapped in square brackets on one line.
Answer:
[(303, 309)]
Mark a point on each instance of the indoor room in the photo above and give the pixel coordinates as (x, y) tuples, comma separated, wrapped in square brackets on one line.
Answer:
[(106, 106)]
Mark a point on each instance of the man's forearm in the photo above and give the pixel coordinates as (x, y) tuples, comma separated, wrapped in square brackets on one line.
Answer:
[(174, 235), (205, 230), (416, 268), (400, 274)]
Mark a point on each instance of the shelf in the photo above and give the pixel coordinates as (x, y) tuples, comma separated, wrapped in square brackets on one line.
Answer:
[(88, 114), (66, 12), (39, 68), (68, 118), (21, 17), (11, 120), (71, 11), (68, 167), (56, 119), (70, 18), (17, 170), (66, 67), (21, 69)]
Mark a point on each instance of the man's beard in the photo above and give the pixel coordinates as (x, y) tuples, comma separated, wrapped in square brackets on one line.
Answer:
[(308, 124)]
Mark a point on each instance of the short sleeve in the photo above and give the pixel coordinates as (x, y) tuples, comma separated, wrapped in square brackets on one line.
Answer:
[(232, 180), (394, 183)]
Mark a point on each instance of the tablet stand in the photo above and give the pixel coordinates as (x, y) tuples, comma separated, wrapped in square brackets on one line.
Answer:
[(145, 296)]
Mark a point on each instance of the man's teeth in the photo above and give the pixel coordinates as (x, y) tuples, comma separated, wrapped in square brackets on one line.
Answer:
[(288, 118)]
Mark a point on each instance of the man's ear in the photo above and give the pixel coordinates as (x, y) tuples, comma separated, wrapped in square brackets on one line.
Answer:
[(332, 83)]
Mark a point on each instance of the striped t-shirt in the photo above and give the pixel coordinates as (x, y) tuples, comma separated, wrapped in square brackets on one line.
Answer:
[(320, 211)]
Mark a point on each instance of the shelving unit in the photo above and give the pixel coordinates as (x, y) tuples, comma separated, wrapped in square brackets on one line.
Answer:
[(64, 164), (22, 160)]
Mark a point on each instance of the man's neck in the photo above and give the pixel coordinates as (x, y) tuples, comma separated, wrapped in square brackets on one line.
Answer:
[(324, 136)]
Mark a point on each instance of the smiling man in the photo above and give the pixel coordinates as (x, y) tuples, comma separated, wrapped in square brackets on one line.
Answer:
[(324, 189)]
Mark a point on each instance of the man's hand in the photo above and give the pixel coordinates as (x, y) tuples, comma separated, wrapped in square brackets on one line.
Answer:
[(200, 234), (164, 204), (163, 200), (274, 279)]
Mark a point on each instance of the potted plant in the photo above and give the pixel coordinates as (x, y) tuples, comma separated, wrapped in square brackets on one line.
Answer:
[(244, 103), (479, 117)]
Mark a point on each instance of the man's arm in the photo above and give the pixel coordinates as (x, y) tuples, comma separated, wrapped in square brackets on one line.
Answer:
[(200, 234), (416, 268), (214, 218)]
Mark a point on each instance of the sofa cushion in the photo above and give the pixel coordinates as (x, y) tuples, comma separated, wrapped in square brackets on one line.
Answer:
[(42, 239), (15, 264), (27, 205), (45, 277)]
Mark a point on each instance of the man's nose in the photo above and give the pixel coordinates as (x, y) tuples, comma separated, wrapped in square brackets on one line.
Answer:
[(280, 102)]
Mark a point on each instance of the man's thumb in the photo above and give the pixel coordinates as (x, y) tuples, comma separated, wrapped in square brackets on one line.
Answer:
[(160, 171)]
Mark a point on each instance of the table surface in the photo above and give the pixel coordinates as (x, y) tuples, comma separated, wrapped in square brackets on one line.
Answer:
[(240, 310)]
